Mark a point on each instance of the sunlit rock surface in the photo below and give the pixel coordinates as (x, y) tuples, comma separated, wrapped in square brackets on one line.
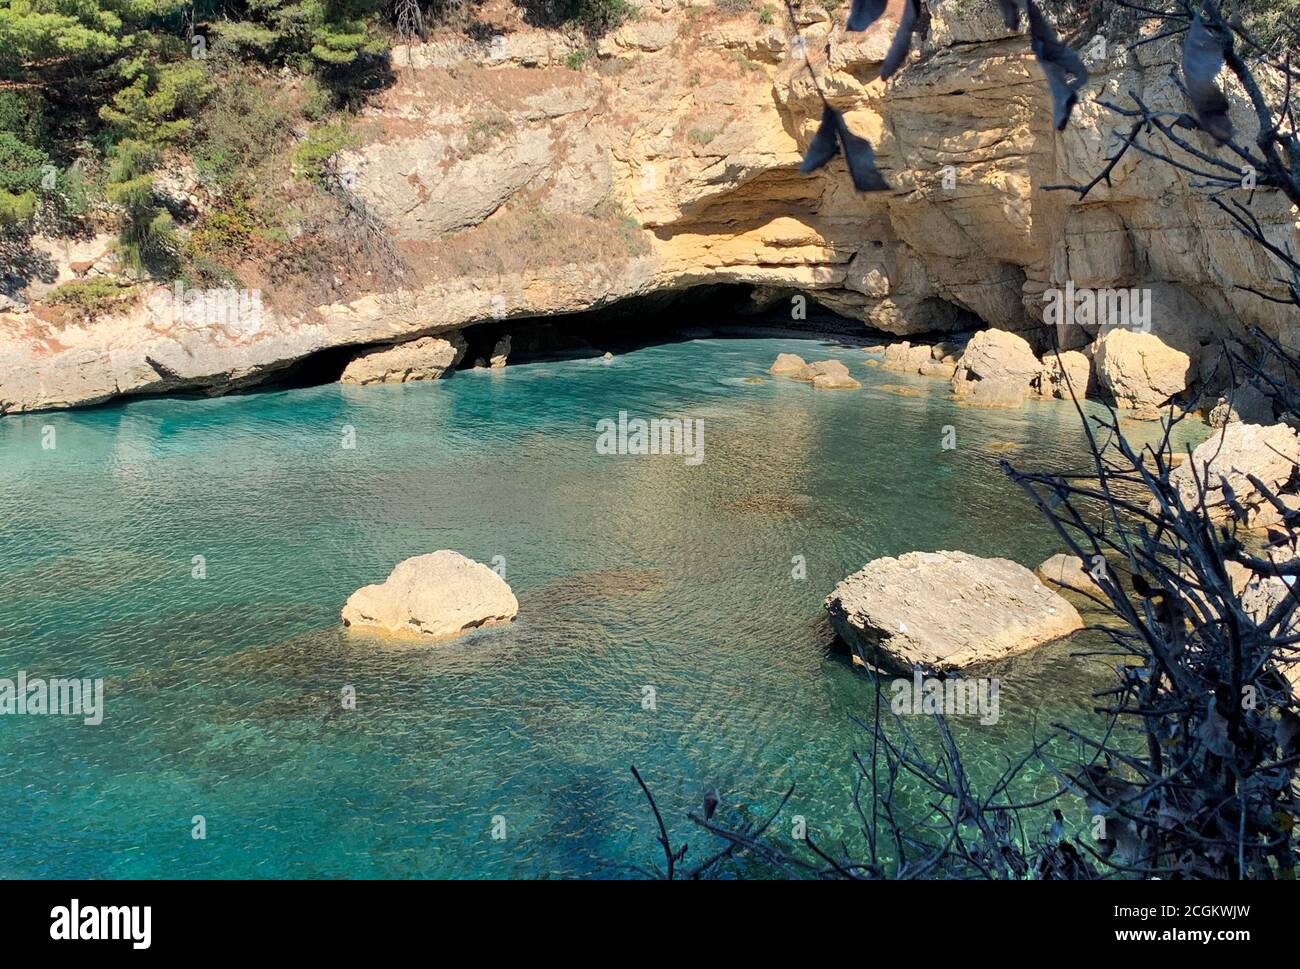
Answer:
[(510, 185), (424, 359), (945, 611), (436, 596)]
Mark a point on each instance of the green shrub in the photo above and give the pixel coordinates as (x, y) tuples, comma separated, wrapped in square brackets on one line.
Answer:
[(21, 166), (244, 124), (22, 169), (595, 17), (16, 209), (91, 296), (23, 114), (600, 16), (147, 242), (157, 104), (311, 157), (1274, 23)]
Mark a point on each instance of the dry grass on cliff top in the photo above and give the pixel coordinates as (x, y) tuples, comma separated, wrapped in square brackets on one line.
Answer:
[(440, 98), (528, 239)]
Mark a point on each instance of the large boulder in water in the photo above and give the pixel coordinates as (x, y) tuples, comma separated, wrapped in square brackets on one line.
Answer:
[(905, 358), (945, 611), (1270, 454), (425, 359), (829, 375), (787, 363), (435, 596), (1140, 370), (1066, 375), (998, 356)]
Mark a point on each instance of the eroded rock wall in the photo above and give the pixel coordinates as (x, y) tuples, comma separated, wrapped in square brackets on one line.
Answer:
[(516, 177)]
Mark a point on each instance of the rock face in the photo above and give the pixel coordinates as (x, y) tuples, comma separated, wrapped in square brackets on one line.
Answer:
[(1246, 404), (500, 353), (1263, 594), (1270, 453), (946, 610), (478, 145), (424, 359), (434, 596)]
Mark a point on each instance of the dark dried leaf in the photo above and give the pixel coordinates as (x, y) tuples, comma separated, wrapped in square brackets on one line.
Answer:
[(864, 13), (832, 134), (1288, 733), (1230, 499), (825, 144), (1064, 68), (902, 42), (1214, 731), (1202, 60), (861, 159)]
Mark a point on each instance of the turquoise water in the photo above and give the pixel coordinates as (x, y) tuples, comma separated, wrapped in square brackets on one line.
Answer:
[(223, 693)]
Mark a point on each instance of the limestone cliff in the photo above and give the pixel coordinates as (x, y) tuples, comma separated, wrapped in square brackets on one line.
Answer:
[(515, 177)]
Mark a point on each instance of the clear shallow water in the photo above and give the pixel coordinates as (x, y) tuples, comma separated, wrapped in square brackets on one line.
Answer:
[(223, 695)]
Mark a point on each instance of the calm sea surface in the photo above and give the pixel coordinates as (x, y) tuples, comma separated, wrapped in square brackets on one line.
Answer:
[(223, 695)]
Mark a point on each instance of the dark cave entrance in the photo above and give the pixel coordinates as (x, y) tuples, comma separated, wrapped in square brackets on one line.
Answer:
[(720, 310)]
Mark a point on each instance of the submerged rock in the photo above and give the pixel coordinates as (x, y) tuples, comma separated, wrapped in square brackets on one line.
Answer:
[(425, 359), (822, 374), (991, 393), (902, 390), (436, 596), (946, 610), (779, 506), (584, 588)]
